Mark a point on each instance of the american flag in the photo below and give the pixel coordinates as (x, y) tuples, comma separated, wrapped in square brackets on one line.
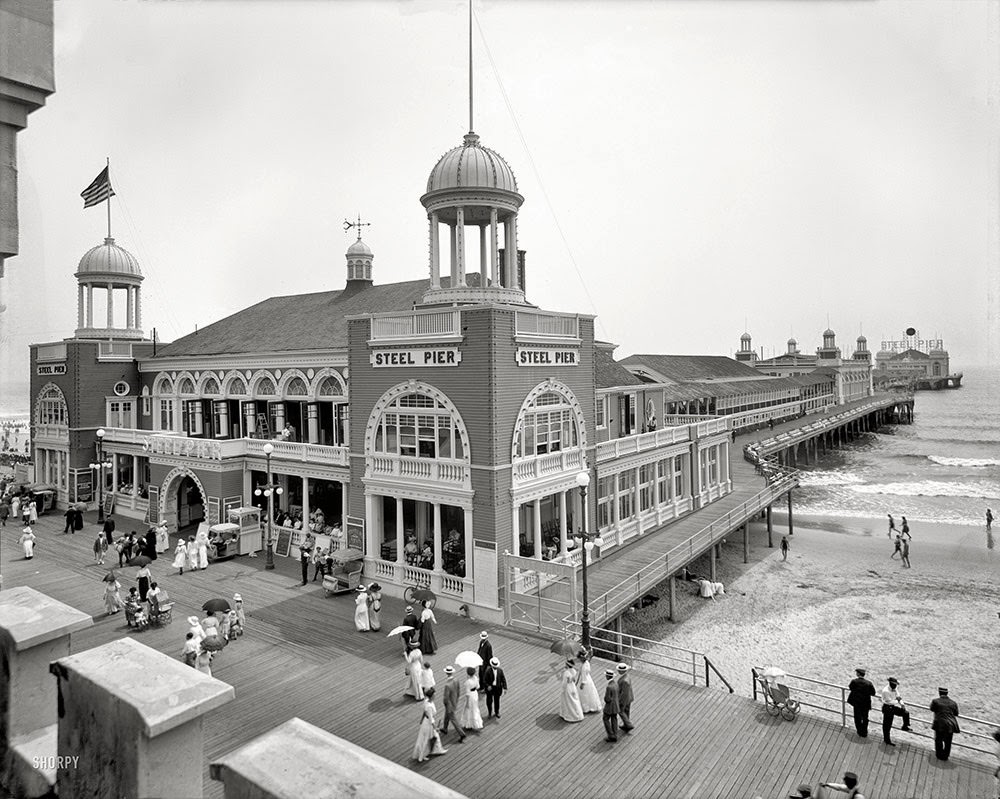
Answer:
[(99, 190)]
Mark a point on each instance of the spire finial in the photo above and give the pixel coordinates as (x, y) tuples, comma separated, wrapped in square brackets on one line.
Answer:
[(471, 128), (359, 224)]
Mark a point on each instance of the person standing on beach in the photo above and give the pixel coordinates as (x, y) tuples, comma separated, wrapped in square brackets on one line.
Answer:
[(892, 706), (892, 525), (905, 553), (898, 546), (989, 519), (784, 547), (859, 696), (945, 723)]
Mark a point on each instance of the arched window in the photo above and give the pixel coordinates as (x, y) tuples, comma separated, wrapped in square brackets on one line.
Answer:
[(187, 386), (549, 424), (296, 388), (419, 426), (211, 387), (237, 387), (265, 387), (52, 407), (330, 387), (164, 386)]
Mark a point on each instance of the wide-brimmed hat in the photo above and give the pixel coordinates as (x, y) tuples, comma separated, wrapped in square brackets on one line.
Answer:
[(622, 668), (193, 620), (494, 662), (449, 669), (609, 674), (237, 597), (484, 634), (362, 588)]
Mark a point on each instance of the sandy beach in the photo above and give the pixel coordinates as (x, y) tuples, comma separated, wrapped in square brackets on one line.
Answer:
[(840, 602)]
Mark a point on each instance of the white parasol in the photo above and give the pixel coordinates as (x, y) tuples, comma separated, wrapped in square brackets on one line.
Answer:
[(467, 660), (402, 628)]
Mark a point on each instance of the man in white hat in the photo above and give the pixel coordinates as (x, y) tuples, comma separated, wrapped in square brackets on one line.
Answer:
[(485, 651), (495, 683), (452, 690), (625, 697)]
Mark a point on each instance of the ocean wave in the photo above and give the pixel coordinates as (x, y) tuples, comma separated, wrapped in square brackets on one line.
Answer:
[(974, 462), (831, 478), (930, 488)]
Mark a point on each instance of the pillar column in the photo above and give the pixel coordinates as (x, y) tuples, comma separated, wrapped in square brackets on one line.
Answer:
[(111, 305), (467, 538), (305, 504), (746, 542), (400, 542), (312, 422), (511, 245), (770, 543), (138, 309), (454, 257), (373, 531), (536, 523), (494, 252), (790, 529), (149, 735), (713, 550), (129, 309), (563, 538), (435, 252), (460, 244), (437, 538), (90, 305), (515, 526), (671, 597), (636, 497), (483, 262), (79, 306), (135, 478)]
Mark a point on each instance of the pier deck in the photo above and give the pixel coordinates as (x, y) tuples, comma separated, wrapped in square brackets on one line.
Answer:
[(301, 657)]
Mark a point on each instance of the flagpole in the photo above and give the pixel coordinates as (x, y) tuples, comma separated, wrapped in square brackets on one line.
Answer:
[(109, 198)]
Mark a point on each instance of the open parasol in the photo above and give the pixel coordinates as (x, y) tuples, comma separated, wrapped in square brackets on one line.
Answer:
[(109, 577), (216, 606), (467, 660), (424, 595), (773, 672), (402, 628), (213, 643), (567, 648), (140, 561), (345, 555)]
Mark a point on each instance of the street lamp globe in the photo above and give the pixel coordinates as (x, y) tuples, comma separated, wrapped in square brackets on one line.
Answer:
[(583, 479), (268, 448), (101, 432)]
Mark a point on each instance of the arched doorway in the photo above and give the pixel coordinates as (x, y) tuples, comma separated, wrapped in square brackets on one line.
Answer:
[(183, 502)]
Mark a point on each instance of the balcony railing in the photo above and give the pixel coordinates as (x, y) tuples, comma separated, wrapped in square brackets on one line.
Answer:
[(547, 325), (641, 442), (569, 460), (409, 468), (434, 324), (440, 583)]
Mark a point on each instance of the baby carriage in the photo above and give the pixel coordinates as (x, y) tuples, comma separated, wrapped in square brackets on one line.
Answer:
[(776, 698)]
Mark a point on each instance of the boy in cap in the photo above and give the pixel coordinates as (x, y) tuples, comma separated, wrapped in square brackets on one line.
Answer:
[(849, 786), (860, 693), (485, 651), (611, 708), (625, 697), (452, 691), (892, 705), (495, 683)]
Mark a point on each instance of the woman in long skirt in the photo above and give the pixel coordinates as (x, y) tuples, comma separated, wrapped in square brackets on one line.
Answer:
[(196, 629), (143, 578), (27, 541), (192, 551), (427, 678), (202, 541), (569, 698), (428, 738), (590, 700), (428, 643), (180, 556), (472, 717), (414, 674), (361, 610), (375, 606), (112, 595)]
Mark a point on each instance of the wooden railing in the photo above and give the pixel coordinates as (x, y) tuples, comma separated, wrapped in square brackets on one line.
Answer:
[(424, 469), (570, 461)]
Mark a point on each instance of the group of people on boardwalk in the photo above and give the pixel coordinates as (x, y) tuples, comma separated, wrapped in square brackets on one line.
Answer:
[(368, 608), (945, 711), (461, 694), (901, 540), (579, 695), (207, 637), (191, 554)]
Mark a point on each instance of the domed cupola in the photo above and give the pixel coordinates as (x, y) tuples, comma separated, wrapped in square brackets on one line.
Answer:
[(472, 186), (861, 352), (359, 264), (793, 347), (111, 270), (746, 353)]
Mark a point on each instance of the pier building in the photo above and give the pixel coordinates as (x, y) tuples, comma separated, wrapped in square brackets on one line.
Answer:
[(916, 363)]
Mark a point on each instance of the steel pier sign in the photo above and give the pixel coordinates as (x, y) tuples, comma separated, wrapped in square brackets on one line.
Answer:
[(431, 356), (546, 356)]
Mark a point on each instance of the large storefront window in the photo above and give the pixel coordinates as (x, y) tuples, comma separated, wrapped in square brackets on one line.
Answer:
[(626, 495), (417, 520), (647, 475), (548, 425), (52, 408)]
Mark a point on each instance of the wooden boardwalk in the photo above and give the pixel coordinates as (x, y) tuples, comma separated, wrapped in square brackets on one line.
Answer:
[(301, 657)]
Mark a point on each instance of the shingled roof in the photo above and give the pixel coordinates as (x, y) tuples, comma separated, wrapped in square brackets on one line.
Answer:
[(296, 322), (609, 373), (685, 368)]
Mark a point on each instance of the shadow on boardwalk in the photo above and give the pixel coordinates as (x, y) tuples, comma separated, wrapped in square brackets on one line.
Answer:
[(302, 657)]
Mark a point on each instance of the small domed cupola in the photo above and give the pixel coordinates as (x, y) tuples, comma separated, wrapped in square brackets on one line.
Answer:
[(109, 270), (472, 186), (746, 353), (793, 347), (359, 264), (861, 352)]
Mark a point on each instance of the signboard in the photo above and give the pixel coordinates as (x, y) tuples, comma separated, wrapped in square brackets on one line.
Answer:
[(109, 503), (355, 533), (182, 445), (153, 511), (51, 369), (919, 344), (546, 356), (430, 356), (213, 511), (283, 542), (84, 488)]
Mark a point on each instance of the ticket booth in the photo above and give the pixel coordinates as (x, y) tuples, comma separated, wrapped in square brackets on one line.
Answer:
[(247, 524)]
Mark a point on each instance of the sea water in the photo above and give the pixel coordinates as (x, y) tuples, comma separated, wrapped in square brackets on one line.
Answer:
[(945, 467)]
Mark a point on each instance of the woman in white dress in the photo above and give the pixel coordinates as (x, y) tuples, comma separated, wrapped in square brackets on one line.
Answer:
[(192, 550), (27, 541), (196, 628), (414, 674), (427, 678), (569, 698), (202, 541), (203, 662), (112, 595), (471, 718), (590, 700), (428, 738), (361, 622), (180, 556)]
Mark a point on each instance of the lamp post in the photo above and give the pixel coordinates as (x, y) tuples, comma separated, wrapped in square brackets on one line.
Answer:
[(589, 541), (99, 466), (269, 489)]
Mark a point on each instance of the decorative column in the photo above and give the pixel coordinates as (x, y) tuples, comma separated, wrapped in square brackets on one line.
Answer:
[(79, 306), (467, 538), (435, 247), (563, 540), (512, 251), (460, 244), (250, 419), (90, 305), (305, 504), (515, 526), (111, 305), (400, 542), (483, 273), (437, 537), (373, 544), (312, 422), (129, 309), (454, 257), (636, 497), (494, 256), (536, 523), (138, 311), (135, 478)]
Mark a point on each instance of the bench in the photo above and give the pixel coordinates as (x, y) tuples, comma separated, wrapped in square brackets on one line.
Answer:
[(160, 608)]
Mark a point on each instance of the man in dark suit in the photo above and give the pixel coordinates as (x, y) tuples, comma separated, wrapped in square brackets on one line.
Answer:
[(945, 723), (495, 683), (625, 697), (859, 696), (611, 708), (109, 529), (452, 691), (410, 620), (485, 651)]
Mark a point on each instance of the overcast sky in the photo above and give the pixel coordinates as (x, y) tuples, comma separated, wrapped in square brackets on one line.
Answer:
[(690, 170)]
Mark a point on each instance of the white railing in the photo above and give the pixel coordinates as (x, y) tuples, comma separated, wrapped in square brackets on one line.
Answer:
[(298, 451), (114, 350), (641, 442), (132, 435), (548, 325), (424, 469), (433, 324), (51, 431), (711, 427), (567, 460), (450, 584), (50, 352)]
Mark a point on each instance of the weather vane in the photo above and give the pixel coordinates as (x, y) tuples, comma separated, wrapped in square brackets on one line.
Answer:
[(359, 224)]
